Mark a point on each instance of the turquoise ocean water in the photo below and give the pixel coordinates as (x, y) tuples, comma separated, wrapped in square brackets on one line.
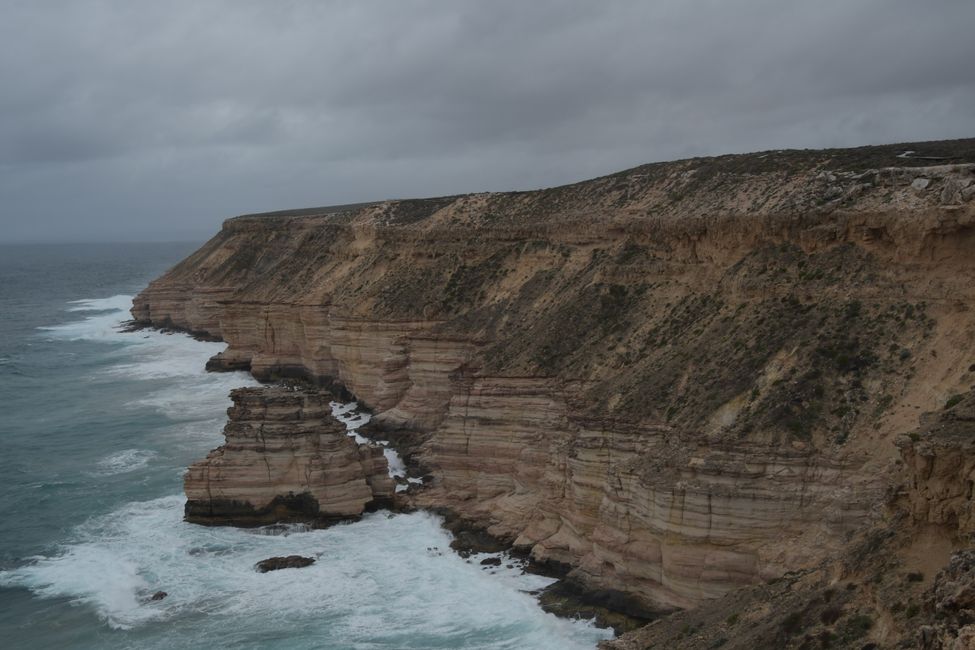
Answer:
[(96, 429)]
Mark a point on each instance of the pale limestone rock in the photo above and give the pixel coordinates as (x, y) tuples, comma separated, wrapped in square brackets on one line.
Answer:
[(951, 193)]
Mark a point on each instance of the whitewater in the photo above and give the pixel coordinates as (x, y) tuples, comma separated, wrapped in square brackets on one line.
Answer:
[(99, 427)]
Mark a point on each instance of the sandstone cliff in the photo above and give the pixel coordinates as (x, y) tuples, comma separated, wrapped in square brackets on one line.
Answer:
[(676, 380), (905, 580), (285, 459)]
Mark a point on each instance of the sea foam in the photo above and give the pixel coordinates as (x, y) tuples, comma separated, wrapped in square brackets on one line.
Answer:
[(380, 581), (127, 460), (387, 581)]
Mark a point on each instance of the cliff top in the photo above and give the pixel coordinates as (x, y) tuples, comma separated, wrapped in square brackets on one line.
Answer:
[(774, 181)]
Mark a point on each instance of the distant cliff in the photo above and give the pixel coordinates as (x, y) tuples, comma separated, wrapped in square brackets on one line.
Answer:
[(676, 380)]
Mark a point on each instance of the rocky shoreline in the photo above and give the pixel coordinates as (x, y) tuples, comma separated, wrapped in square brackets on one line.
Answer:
[(287, 459), (564, 597)]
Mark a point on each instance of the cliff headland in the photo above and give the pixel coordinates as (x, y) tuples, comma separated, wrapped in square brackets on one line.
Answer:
[(743, 380)]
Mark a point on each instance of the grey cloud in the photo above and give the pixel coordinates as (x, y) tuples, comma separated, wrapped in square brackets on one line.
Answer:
[(130, 120)]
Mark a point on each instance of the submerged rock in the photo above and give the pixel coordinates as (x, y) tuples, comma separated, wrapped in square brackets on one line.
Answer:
[(159, 595), (284, 562)]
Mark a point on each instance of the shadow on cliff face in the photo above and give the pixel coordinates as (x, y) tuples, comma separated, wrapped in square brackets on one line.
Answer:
[(283, 509)]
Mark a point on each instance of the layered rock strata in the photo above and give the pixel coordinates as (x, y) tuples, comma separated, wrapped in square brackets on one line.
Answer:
[(906, 580), (675, 380), (285, 459)]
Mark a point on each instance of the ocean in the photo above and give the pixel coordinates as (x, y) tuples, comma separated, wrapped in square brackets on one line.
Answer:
[(96, 429)]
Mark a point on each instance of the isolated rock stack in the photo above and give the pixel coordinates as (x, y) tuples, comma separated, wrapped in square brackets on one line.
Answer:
[(285, 459)]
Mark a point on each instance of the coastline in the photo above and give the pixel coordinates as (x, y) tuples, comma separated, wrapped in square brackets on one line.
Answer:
[(129, 542), (563, 598), (671, 384)]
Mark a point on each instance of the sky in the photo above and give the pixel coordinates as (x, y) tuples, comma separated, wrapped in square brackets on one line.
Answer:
[(137, 120)]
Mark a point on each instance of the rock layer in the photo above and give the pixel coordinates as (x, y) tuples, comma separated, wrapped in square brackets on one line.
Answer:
[(285, 459), (675, 380), (940, 459)]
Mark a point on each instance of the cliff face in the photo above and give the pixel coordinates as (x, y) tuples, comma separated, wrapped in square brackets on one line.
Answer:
[(905, 580), (285, 459), (940, 460), (677, 380)]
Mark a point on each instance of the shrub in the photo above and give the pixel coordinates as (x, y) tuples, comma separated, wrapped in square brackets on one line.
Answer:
[(857, 626), (831, 615)]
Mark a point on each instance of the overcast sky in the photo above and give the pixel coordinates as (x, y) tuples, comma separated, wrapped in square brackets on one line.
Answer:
[(156, 120)]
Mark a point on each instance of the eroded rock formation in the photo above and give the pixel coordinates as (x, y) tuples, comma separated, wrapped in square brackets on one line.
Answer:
[(940, 458), (285, 459), (675, 380)]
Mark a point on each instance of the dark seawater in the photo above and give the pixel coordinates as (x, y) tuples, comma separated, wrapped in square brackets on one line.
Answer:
[(96, 428)]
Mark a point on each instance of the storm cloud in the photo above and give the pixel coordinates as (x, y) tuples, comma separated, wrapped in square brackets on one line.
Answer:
[(156, 120)]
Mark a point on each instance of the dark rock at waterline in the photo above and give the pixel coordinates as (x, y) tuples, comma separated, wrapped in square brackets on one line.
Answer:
[(286, 562), (609, 608), (491, 561), (166, 326), (469, 541), (221, 363), (159, 595)]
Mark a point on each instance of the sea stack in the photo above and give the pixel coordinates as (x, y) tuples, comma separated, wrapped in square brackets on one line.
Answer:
[(285, 459)]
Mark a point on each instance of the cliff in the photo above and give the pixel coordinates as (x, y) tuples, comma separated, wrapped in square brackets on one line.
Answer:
[(905, 580), (285, 459), (676, 380)]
